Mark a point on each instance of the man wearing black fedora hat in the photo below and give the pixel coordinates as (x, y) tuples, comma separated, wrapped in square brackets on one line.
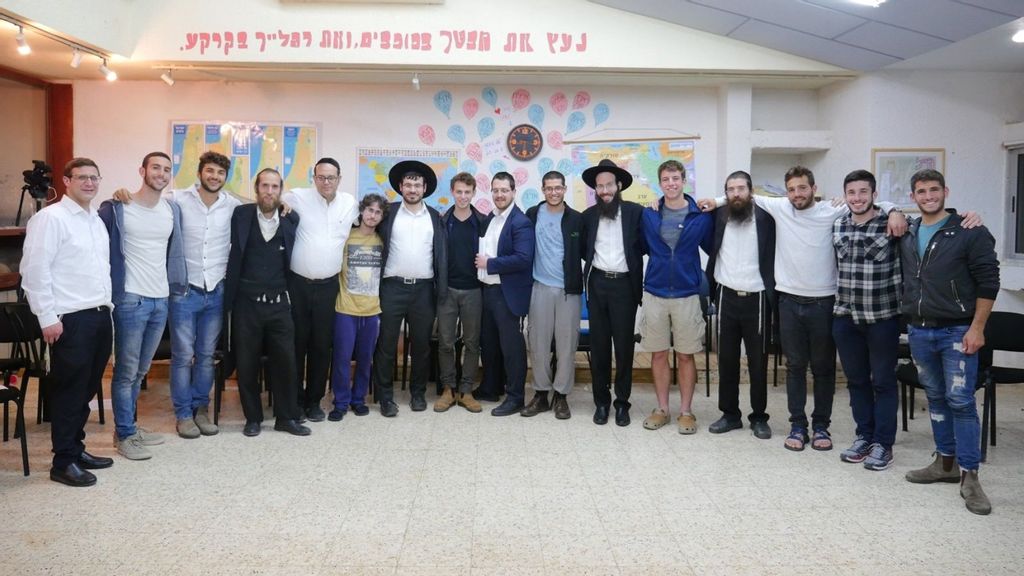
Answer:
[(415, 263), (613, 271)]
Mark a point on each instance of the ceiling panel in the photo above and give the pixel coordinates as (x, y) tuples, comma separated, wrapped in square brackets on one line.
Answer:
[(789, 14), (1011, 7), (682, 13), (942, 18), (801, 44), (891, 40)]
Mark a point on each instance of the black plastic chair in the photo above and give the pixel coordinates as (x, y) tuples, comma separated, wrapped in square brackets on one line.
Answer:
[(1003, 333), (9, 392)]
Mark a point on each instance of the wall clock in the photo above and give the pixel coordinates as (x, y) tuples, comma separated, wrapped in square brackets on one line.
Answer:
[(524, 142)]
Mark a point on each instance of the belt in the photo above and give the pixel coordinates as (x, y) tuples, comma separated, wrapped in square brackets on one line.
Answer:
[(740, 293), (806, 299), (104, 309), (939, 322), (305, 280), (608, 274), (195, 288), (407, 281)]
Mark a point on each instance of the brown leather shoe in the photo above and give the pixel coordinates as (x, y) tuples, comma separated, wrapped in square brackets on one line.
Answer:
[(538, 404), (469, 403), (561, 407), (445, 401)]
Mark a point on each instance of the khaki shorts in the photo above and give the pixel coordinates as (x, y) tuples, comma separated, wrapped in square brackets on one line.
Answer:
[(682, 317)]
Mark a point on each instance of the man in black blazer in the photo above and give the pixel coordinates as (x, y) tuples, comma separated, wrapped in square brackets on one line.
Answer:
[(613, 254), (414, 279), (741, 275), (256, 297)]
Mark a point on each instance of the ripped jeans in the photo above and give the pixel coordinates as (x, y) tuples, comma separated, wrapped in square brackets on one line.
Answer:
[(949, 378)]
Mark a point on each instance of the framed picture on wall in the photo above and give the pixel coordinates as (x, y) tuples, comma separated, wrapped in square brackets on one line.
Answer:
[(893, 168)]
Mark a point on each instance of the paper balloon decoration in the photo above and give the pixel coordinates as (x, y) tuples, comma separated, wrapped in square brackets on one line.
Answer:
[(427, 135), (497, 166), (576, 121), (530, 197), (457, 134), (490, 95), (470, 107), (520, 174), (555, 139), (559, 103), (565, 166), (485, 127), (467, 166), (536, 115), (475, 152), (545, 165), (520, 99), (483, 182), (443, 102), (581, 100), (601, 113)]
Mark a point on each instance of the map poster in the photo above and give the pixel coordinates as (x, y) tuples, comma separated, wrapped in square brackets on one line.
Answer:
[(289, 148), (641, 158), (375, 163)]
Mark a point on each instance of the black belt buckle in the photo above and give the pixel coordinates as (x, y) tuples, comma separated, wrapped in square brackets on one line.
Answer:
[(613, 274)]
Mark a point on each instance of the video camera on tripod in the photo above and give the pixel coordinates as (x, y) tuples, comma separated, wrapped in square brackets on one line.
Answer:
[(38, 183)]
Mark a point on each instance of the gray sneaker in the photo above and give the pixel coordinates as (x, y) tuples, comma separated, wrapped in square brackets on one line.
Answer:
[(857, 452), (132, 448), (149, 438), (187, 429), (202, 420)]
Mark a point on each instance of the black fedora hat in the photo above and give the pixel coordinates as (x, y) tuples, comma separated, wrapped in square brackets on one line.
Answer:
[(404, 167), (606, 165)]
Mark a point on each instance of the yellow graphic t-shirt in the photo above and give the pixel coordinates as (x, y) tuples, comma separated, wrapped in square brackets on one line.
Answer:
[(360, 275)]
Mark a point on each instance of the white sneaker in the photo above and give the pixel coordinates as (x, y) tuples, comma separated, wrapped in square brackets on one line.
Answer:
[(132, 448)]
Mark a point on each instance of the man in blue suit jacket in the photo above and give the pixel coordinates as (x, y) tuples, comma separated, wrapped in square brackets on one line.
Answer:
[(505, 265)]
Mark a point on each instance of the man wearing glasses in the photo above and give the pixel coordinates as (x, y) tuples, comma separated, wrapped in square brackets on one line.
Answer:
[(325, 221), (555, 303)]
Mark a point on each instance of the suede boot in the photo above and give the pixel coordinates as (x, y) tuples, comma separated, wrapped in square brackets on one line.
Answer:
[(974, 497), (942, 469)]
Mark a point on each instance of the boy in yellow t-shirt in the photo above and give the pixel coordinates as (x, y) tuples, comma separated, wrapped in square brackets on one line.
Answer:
[(357, 311)]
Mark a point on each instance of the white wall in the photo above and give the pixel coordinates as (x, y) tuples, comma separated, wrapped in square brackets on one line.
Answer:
[(23, 116)]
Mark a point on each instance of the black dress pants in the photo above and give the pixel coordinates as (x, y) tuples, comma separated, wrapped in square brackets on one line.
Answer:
[(612, 311), (77, 361), (742, 317), (258, 329), (415, 304), (313, 303), (502, 348)]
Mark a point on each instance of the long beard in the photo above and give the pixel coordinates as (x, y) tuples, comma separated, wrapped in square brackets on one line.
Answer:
[(610, 209), (741, 213)]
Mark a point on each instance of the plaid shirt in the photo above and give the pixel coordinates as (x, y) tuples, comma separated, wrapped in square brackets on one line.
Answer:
[(869, 270)]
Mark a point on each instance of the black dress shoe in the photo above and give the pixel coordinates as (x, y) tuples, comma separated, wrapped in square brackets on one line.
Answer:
[(388, 409), (73, 475), (761, 430), (315, 414), (561, 407), (482, 396), (359, 409), (251, 429), (622, 416), (418, 403), (601, 415), (291, 427), (723, 425), (507, 408), (87, 461)]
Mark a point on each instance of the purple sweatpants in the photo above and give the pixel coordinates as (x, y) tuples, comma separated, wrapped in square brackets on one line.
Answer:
[(355, 338)]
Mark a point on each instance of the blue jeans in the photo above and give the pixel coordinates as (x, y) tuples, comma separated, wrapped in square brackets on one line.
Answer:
[(138, 327), (355, 338), (868, 353), (949, 378), (805, 331), (196, 320)]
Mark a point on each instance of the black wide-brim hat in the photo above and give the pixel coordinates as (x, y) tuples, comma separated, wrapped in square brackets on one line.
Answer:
[(606, 165), (404, 167)]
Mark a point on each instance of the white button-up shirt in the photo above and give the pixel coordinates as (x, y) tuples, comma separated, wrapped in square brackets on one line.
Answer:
[(65, 264), (268, 225), (737, 266), (207, 235), (411, 247), (609, 252), (323, 229), (489, 244)]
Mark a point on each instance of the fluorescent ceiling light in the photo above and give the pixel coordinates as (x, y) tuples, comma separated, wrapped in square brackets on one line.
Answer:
[(872, 3), (1018, 37)]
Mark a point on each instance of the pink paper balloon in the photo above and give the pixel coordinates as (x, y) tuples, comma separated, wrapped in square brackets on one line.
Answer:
[(427, 135), (483, 182), (483, 205), (559, 103), (520, 174), (520, 99), (555, 139), (475, 152), (469, 108), (581, 100)]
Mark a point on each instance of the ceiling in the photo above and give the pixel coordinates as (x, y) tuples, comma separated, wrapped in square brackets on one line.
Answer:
[(844, 33)]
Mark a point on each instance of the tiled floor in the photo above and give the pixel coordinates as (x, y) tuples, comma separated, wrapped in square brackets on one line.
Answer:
[(459, 494)]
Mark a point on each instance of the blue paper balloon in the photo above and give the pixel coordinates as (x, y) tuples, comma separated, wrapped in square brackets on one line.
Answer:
[(485, 127), (565, 167), (601, 113), (545, 165), (497, 166), (530, 197), (576, 121), (468, 166), (490, 95), (443, 102), (457, 134), (536, 115)]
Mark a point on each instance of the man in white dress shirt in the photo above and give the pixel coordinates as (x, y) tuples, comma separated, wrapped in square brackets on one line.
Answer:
[(65, 271), (325, 222)]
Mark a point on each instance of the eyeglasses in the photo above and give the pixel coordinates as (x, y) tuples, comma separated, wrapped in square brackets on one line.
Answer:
[(413, 185), (607, 187), (326, 179), (82, 178), (553, 189)]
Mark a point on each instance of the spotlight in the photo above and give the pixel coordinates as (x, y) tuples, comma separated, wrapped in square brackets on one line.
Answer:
[(871, 3), (110, 74), (76, 58), (416, 81), (168, 77), (23, 47), (1018, 37)]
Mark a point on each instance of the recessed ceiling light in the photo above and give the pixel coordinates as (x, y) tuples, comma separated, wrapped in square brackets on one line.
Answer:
[(872, 3), (1018, 37)]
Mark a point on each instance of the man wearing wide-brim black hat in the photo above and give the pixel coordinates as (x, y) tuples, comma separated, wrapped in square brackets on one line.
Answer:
[(613, 253), (415, 276)]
